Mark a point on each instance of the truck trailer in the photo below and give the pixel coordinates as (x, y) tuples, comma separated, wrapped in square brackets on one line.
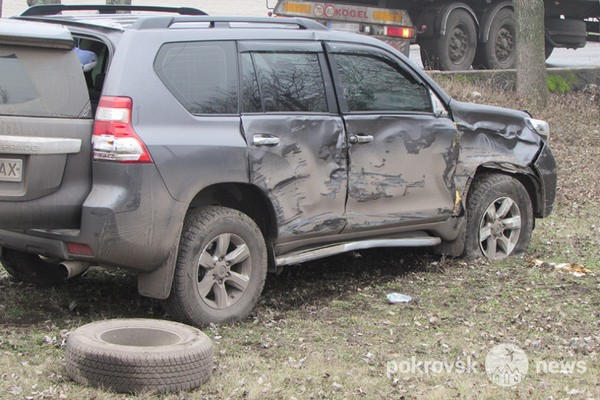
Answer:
[(452, 35)]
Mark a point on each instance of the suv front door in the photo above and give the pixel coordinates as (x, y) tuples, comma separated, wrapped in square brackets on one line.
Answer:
[(295, 136), (402, 155)]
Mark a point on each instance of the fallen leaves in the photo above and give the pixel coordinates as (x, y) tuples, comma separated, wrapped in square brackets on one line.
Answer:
[(576, 270)]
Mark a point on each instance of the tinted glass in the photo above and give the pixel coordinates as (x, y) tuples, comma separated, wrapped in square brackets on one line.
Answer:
[(290, 82), (376, 84), (201, 75), (42, 83), (250, 92)]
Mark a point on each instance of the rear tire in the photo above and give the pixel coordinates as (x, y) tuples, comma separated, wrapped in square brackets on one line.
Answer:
[(499, 217), (221, 267), (31, 268), (499, 52)]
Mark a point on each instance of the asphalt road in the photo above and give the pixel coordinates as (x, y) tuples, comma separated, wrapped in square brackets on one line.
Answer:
[(588, 56)]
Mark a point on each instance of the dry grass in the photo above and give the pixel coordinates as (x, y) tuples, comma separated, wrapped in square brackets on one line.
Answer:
[(324, 330)]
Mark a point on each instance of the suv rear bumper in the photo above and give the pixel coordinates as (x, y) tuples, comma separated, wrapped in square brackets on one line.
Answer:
[(131, 222)]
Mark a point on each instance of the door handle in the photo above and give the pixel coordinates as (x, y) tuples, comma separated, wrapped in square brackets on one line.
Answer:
[(262, 139), (360, 139)]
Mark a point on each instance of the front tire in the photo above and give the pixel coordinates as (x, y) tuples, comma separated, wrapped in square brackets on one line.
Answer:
[(221, 267), (31, 268), (499, 217)]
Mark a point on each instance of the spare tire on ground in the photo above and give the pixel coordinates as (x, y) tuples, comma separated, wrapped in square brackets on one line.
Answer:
[(136, 355)]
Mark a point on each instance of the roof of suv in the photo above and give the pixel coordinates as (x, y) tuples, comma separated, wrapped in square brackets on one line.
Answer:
[(122, 17)]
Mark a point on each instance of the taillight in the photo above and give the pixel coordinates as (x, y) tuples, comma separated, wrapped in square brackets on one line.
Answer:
[(400, 31), (114, 138)]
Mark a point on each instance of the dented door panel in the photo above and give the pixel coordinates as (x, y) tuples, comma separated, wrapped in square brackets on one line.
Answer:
[(305, 175), (405, 175)]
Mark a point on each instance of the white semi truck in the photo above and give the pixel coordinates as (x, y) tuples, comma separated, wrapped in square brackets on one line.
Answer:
[(453, 35)]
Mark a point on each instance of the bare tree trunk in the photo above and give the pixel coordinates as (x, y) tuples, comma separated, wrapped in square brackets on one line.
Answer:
[(531, 68), (38, 2)]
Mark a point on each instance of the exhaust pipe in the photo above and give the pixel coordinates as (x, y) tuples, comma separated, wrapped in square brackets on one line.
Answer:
[(71, 269)]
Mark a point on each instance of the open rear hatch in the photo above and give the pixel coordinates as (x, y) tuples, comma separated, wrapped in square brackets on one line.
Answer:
[(45, 128)]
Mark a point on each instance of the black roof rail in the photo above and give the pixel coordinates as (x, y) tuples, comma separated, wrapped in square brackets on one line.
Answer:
[(223, 22), (54, 9)]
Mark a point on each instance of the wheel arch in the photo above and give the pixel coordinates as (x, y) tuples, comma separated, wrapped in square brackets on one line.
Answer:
[(244, 197), (525, 175), (446, 11)]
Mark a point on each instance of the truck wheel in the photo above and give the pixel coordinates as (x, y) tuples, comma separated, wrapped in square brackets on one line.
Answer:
[(455, 50), (31, 268), (499, 217), (221, 267), (499, 52), (135, 355)]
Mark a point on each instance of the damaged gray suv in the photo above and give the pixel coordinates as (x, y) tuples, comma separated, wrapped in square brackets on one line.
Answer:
[(202, 152)]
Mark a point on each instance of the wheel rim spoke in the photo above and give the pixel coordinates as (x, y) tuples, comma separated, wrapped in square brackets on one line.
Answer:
[(512, 223), (223, 241), (504, 244), (205, 285), (206, 260), (485, 233), (505, 207), (240, 254), (490, 213), (238, 280), (221, 297), (491, 247)]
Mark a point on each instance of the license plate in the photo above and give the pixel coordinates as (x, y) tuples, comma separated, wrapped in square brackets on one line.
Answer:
[(11, 170)]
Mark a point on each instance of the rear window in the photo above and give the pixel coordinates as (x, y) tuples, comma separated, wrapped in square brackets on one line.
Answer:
[(42, 83), (201, 75)]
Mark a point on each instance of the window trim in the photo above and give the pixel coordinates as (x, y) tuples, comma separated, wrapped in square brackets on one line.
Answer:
[(375, 52)]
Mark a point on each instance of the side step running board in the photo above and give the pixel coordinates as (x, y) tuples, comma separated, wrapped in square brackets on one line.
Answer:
[(313, 254)]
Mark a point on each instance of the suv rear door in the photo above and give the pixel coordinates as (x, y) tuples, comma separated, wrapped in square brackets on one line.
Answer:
[(295, 135), (45, 128)]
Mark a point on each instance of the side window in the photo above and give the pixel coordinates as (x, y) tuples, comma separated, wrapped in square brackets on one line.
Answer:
[(290, 82), (201, 75), (372, 83)]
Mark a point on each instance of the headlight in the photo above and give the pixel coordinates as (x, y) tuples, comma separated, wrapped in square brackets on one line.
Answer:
[(540, 127)]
